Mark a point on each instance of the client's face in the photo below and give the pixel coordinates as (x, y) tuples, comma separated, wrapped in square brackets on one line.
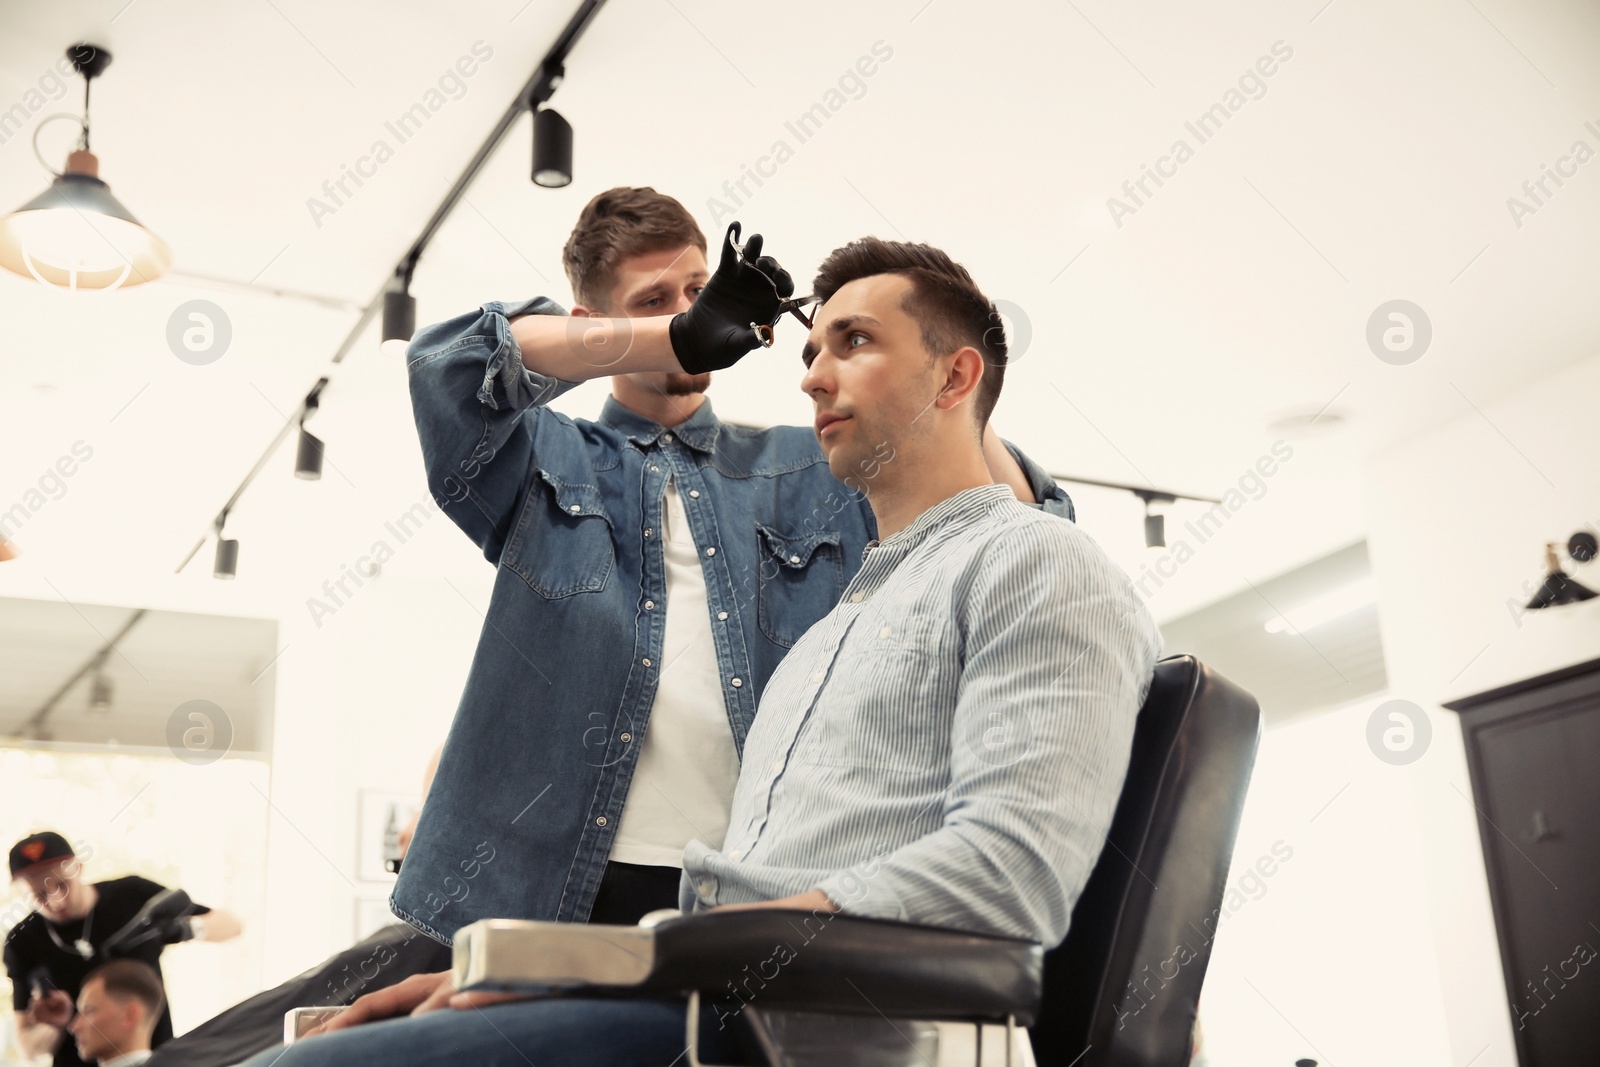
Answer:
[(869, 377)]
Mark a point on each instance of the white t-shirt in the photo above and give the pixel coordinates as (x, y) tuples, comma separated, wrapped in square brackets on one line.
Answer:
[(683, 785)]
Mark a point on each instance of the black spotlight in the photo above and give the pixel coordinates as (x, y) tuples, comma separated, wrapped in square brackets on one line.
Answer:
[(227, 564), (308, 456), (552, 149), (1155, 526), (399, 320), (1155, 531)]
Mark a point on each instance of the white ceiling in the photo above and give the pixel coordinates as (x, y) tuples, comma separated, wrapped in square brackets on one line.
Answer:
[(1376, 166)]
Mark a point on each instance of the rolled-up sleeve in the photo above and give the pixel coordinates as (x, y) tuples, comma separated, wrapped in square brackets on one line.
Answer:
[(470, 395), (1059, 656), (1047, 495)]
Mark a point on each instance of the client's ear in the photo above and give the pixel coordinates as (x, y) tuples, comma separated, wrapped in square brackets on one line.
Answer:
[(961, 378)]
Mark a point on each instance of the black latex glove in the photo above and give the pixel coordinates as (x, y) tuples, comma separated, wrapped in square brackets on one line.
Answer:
[(716, 331)]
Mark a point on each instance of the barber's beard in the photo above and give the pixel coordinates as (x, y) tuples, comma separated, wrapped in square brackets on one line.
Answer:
[(679, 384)]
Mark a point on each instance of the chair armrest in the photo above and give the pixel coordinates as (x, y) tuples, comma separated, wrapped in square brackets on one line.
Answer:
[(777, 958)]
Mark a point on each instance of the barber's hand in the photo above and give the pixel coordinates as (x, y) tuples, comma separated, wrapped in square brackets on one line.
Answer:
[(52, 1009), (716, 331), (412, 996)]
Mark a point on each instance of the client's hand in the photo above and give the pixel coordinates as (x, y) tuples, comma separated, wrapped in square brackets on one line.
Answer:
[(816, 900), (411, 996)]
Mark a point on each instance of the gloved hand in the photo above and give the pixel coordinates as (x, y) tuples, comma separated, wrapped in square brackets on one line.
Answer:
[(716, 331)]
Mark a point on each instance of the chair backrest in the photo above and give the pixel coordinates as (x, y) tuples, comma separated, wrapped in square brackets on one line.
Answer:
[(1124, 986)]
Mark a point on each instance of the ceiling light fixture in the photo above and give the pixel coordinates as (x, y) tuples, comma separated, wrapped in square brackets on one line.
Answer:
[(552, 148), (1334, 604), (76, 235), (399, 317), (308, 453), (100, 693), (226, 565), (1155, 526)]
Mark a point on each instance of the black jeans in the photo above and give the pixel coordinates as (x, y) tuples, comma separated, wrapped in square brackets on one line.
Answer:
[(628, 891)]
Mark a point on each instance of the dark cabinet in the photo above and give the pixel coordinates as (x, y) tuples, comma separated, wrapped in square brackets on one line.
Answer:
[(1533, 750)]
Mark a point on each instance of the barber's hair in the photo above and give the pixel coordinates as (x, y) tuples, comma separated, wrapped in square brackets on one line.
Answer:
[(616, 225), (129, 979), (945, 301)]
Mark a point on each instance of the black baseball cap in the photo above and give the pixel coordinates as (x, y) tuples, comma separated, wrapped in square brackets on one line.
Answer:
[(37, 849)]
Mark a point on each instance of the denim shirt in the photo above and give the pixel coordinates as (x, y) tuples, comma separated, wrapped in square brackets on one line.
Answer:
[(530, 788)]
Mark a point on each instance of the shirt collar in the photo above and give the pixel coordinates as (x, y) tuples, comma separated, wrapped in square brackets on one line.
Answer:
[(969, 503), (128, 1059), (697, 431)]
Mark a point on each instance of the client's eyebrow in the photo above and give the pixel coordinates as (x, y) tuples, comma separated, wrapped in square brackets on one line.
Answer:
[(843, 324)]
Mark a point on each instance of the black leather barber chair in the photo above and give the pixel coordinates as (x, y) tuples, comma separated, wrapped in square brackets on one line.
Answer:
[(1122, 989)]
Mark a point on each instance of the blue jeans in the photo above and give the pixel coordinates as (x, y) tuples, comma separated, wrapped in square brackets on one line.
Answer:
[(545, 1033)]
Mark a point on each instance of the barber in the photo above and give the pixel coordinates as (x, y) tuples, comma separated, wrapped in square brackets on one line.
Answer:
[(50, 952), (654, 566)]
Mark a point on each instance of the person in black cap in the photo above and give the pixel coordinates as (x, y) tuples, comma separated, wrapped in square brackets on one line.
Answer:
[(79, 926)]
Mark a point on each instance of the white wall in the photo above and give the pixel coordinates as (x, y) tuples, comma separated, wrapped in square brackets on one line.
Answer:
[(1457, 523)]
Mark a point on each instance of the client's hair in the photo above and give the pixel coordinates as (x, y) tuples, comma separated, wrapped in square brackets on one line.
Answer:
[(615, 225), (129, 979), (944, 299)]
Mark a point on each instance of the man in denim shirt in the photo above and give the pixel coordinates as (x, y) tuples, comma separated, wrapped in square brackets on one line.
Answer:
[(945, 747), (583, 684)]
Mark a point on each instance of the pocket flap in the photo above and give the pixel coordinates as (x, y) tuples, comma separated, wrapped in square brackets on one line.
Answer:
[(575, 498), (795, 551)]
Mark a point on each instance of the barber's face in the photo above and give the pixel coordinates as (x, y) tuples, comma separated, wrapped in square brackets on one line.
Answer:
[(869, 378), (52, 887), (659, 283)]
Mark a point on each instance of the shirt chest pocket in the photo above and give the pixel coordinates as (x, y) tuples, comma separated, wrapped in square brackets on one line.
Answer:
[(800, 579), (888, 704), (562, 544)]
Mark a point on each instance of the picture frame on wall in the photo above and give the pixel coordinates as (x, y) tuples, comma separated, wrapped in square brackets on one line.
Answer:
[(381, 815)]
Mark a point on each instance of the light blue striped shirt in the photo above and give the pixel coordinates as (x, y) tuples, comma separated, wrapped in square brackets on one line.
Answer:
[(947, 745)]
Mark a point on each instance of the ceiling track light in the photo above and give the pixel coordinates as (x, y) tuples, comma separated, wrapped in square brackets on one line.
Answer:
[(100, 692), (226, 565), (399, 316), (1155, 526), (308, 453), (552, 149), (76, 235)]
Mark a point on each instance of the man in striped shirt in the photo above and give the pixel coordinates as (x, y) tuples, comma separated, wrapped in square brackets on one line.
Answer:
[(946, 746)]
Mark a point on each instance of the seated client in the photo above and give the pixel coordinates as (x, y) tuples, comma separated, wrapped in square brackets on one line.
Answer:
[(946, 746)]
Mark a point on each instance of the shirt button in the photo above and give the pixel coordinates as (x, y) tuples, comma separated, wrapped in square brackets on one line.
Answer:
[(855, 598), (667, 437), (575, 509), (777, 765), (884, 632), (737, 682), (694, 494), (647, 662), (654, 467), (737, 853), (711, 552), (794, 559), (601, 821), (816, 679), (722, 616), (648, 531), (626, 737), (649, 605)]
